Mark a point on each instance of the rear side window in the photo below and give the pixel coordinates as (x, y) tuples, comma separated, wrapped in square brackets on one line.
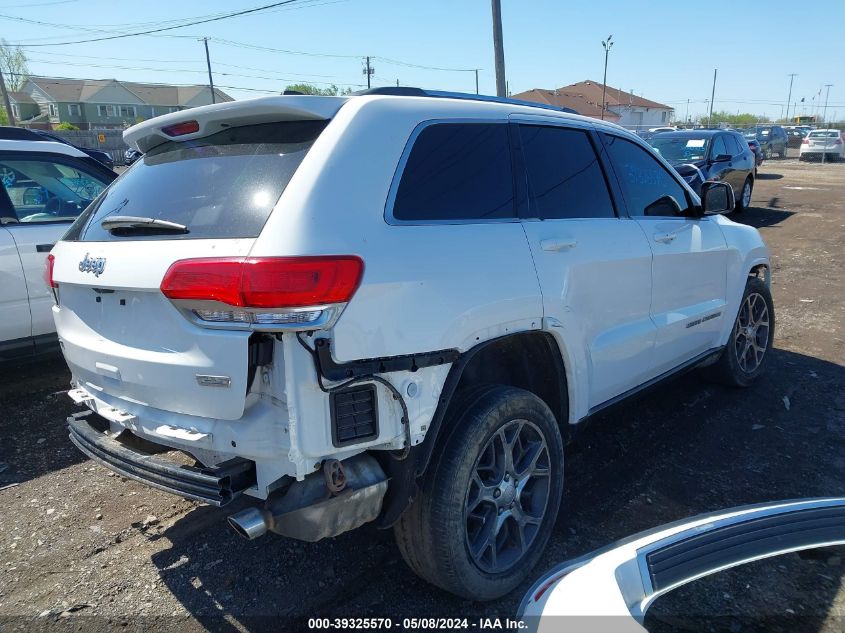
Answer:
[(221, 186), (457, 171), (565, 179)]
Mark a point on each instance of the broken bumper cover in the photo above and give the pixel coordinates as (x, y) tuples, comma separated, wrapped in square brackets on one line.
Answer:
[(216, 486)]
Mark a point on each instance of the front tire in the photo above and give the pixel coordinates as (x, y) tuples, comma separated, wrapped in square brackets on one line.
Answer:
[(489, 500), (748, 349)]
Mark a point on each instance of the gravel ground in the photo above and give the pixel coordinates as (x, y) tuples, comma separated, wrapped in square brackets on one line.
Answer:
[(83, 548)]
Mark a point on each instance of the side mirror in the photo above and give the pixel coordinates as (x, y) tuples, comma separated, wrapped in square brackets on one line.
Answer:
[(722, 158), (717, 197)]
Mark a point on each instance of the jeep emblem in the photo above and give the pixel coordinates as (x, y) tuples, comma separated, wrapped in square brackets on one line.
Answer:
[(94, 265)]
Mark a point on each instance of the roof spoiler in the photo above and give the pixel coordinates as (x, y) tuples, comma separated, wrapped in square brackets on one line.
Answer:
[(215, 118)]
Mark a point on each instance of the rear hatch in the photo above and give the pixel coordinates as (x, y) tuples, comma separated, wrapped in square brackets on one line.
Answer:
[(202, 197)]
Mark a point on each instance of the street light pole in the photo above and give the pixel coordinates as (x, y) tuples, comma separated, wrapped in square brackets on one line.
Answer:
[(826, 96), (607, 45), (476, 80), (498, 49), (712, 98), (789, 98), (208, 63)]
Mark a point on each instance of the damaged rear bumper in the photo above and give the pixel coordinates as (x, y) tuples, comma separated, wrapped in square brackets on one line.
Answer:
[(217, 485)]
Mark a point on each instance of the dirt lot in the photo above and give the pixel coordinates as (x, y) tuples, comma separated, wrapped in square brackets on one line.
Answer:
[(77, 541)]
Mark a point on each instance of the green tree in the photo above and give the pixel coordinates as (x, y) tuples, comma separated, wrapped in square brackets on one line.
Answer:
[(743, 119), (13, 65), (309, 89)]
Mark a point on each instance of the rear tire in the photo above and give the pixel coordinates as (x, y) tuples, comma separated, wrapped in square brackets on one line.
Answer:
[(489, 500), (746, 354), (744, 199)]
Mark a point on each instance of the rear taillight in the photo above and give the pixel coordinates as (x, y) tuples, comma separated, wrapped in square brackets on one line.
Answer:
[(48, 271), (805, 142), (268, 291), (838, 141)]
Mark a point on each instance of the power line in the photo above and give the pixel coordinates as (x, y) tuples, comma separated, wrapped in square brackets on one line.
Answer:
[(226, 16)]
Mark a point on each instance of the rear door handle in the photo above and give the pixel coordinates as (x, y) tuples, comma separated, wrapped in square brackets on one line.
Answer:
[(664, 238), (557, 245)]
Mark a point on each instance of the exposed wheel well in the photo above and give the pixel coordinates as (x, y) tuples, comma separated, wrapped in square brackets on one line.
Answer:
[(762, 271), (530, 361)]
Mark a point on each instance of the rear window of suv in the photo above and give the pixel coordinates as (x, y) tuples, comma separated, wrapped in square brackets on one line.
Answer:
[(221, 186)]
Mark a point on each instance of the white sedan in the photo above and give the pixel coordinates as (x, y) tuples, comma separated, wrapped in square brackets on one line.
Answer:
[(823, 143)]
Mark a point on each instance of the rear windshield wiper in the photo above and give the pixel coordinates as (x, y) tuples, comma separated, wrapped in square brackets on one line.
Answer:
[(129, 223)]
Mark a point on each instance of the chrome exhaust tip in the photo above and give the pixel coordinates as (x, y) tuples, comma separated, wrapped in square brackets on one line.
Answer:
[(249, 523)]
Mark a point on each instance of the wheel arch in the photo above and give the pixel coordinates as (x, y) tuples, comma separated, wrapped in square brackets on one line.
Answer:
[(528, 360)]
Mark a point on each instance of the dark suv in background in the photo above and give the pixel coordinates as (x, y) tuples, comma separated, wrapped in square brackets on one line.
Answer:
[(700, 156), (772, 138)]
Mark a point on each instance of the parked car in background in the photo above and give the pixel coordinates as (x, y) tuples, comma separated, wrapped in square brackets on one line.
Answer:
[(795, 135), (823, 143), (44, 186), (299, 359), (26, 134), (97, 154), (754, 146), (701, 156), (130, 156), (772, 139)]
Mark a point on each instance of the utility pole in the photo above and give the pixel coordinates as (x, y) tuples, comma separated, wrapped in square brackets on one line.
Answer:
[(686, 116), (606, 44), (208, 63), (789, 98), (498, 49), (712, 98), (369, 71), (826, 96), (476, 80), (9, 112)]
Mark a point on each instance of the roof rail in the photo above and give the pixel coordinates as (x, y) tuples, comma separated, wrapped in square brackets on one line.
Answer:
[(408, 91)]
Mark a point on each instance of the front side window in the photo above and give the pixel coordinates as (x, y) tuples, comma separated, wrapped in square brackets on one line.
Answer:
[(47, 191), (74, 109), (718, 147), (565, 179), (107, 110), (648, 188), (457, 171), (127, 110)]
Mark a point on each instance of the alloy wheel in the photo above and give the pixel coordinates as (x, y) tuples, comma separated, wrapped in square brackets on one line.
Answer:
[(746, 195), (507, 496), (751, 332)]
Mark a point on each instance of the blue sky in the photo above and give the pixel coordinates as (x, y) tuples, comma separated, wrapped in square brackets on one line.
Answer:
[(664, 51)]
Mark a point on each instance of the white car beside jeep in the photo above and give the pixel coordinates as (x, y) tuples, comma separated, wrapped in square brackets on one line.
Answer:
[(393, 307)]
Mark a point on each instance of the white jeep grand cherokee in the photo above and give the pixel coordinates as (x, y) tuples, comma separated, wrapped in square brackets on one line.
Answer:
[(392, 307)]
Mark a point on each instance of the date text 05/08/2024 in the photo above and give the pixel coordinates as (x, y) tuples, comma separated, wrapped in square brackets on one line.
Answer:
[(409, 624)]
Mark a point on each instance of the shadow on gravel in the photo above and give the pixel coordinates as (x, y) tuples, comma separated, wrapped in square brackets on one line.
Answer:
[(32, 425), (764, 176), (759, 217), (684, 448)]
